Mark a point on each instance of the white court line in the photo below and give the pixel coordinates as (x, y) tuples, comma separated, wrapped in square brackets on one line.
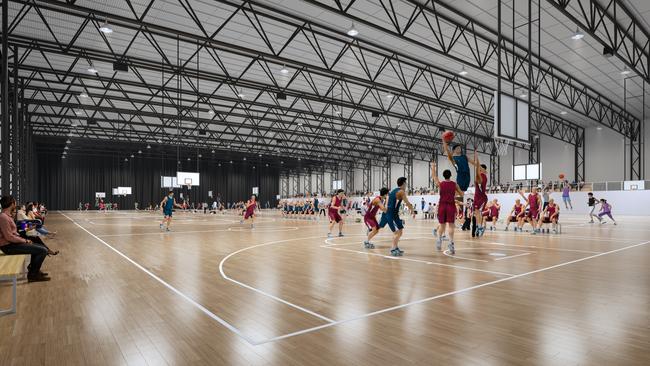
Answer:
[(468, 289), (513, 256), (448, 254), (329, 246), (172, 288), (223, 274), (528, 246), (553, 236), (290, 228)]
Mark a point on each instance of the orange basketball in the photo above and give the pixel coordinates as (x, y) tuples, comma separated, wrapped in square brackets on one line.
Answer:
[(561, 176), (447, 136)]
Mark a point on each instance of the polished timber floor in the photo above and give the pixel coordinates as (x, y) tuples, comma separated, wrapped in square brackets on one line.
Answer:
[(214, 292)]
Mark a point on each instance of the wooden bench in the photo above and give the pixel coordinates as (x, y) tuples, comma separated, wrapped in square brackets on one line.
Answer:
[(11, 266)]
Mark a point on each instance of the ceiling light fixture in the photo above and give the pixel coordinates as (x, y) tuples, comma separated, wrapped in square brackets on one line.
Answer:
[(83, 95), (577, 35), (599, 128), (211, 112), (241, 94), (563, 112), (66, 148), (125, 159), (213, 151), (353, 32), (106, 28), (68, 141), (148, 146), (92, 69), (188, 159), (523, 95), (462, 71), (284, 70), (132, 156), (139, 151), (626, 71)]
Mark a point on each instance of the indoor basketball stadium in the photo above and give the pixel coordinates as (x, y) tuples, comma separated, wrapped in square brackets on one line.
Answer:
[(324, 182)]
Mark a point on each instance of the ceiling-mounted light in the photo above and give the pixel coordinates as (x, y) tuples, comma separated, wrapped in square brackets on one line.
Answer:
[(299, 124), (577, 35), (230, 161), (125, 159), (106, 28), (200, 155), (563, 112), (241, 94), (451, 111), (267, 165), (213, 151), (139, 151), (83, 95), (260, 155), (353, 32), (66, 148), (62, 156), (188, 159), (253, 166), (523, 95), (389, 96), (462, 71), (211, 112), (599, 128), (219, 164), (244, 158), (148, 146), (626, 71), (132, 156), (68, 141), (92, 69), (284, 70), (65, 153)]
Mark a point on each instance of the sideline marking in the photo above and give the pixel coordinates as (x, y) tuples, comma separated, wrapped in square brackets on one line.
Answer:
[(172, 288)]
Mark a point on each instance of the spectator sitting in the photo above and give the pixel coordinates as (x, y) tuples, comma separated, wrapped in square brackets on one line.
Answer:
[(11, 243), (33, 216)]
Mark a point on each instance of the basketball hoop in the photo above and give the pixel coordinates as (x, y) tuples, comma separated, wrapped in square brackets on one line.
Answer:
[(501, 146)]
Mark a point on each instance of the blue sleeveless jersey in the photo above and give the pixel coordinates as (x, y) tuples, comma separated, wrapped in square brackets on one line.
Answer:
[(169, 204), (393, 204)]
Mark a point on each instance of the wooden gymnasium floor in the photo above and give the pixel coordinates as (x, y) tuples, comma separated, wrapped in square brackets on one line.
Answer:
[(212, 292)]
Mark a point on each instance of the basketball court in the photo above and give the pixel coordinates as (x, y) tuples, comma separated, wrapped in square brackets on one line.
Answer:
[(199, 182)]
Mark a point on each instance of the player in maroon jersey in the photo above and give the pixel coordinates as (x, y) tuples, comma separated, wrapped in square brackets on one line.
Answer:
[(532, 203), (370, 218), (333, 212), (249, 212), (446, 207), (480, 194)]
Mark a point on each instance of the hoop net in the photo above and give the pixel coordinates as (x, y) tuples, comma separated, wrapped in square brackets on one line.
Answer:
[(501, 146)]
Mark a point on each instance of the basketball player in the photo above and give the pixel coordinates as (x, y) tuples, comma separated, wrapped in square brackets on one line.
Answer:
[(391, 216), (516, 215), (459, 161), (566, 197), (591, 202), (251, 205), (167, 206), (446, 207), (532, 203), (333, 212), (370, 217), (551, 215), (605, 209), (491, 213), (480, 194)]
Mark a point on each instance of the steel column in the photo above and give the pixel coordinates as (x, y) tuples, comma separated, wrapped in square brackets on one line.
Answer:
[(4, 94)]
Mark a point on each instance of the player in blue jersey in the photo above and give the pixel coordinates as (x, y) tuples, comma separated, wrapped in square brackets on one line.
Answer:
[(167, 206), (391, 216), (459, 160)]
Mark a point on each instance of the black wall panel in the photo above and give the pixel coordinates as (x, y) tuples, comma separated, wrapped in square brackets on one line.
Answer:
[(63, 183)]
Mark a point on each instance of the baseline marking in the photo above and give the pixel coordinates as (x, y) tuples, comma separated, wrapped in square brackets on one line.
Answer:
[(468, 289)]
